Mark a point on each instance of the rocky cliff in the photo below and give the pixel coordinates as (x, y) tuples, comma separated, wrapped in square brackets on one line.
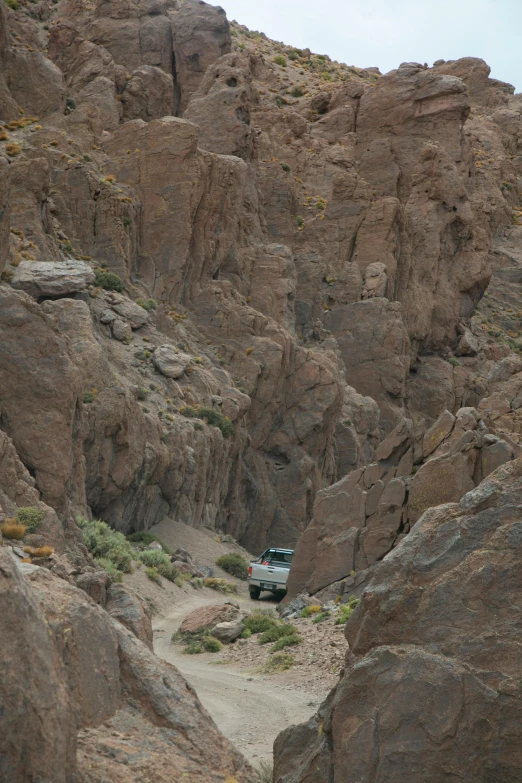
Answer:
[(249, 288), (314, 239)]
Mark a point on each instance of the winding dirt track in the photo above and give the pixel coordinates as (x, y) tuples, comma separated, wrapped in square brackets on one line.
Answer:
[(250, 709)]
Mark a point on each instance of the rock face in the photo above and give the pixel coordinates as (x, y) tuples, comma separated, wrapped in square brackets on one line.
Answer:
[(468, 553), (86, 671), (358, 520)]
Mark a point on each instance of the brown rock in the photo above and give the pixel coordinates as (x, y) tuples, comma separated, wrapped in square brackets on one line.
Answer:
[(437, 433), (148, 94), (201, 34), (461, 677), (441, 480), (39, 742), (207, 617), (130, 610)]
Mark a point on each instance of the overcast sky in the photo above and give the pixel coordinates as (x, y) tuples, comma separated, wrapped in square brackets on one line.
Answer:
[(387, 32)]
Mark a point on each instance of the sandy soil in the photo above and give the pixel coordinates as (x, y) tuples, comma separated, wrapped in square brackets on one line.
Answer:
[(250, 708)]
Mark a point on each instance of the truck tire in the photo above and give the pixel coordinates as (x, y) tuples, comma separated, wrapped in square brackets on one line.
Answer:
[(255, 592)]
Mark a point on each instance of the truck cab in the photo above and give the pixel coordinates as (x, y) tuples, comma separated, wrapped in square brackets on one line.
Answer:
[(269, 572)]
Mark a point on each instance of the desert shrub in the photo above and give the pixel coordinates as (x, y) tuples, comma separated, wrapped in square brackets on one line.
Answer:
[(297, 92), (143, 393), (12, 530), (221, 585), (211, 645), (108, 566), (104, 542), (280, 60), (39, 551), (13, 4), (147, 304), (216, 419), (259, 622), (30, 516), (321, 617), (277, 632), (300, 221), (109, 281), (146, 538), (246, 634), (285, 167), (13, 149), (89, 396), (345, 610), (308, 611), (197, 582), (278, 662), (234, 564), (290, 640), (154, 558), (153, 574), (193, 648)]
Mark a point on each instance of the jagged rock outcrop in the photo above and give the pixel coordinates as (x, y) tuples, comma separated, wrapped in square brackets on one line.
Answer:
[(433, 673), (358, 520)]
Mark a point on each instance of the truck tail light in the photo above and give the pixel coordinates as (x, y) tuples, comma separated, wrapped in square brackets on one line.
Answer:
[(250, 570)]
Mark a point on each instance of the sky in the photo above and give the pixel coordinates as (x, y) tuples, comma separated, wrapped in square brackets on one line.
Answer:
[(385, 33)]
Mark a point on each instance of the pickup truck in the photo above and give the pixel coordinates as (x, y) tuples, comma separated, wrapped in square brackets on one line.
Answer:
[(269, 572)]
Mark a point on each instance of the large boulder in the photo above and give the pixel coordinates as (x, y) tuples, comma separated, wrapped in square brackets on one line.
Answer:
[(52, 278), (169, 361), (207, 617), (228, 632)]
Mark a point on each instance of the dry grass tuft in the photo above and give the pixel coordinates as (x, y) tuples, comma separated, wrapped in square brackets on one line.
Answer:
[(39, 551), (12, 530)]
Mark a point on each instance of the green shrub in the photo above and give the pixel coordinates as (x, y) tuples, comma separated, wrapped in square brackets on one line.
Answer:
[(290, 640), (246, 634), (216, 419), (197, 582), (277, 632), (345, 610), (221, 585), (154, 558), (153, 574), (193, 648), (109, 281), (321, 617), (285, 167), (234, 564), (109, 567), (259, 621), (146, 538), (13, 4), (211, 645), (300, 221), (147, 304), (279, 60), (297, 92), (30, 516), (454, 362), (143, 393), (211, 416), (89, 396), (278, 662), (308, 611), (104, 542)]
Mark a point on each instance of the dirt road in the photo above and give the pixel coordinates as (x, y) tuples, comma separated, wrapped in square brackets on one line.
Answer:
[(250, 709)]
